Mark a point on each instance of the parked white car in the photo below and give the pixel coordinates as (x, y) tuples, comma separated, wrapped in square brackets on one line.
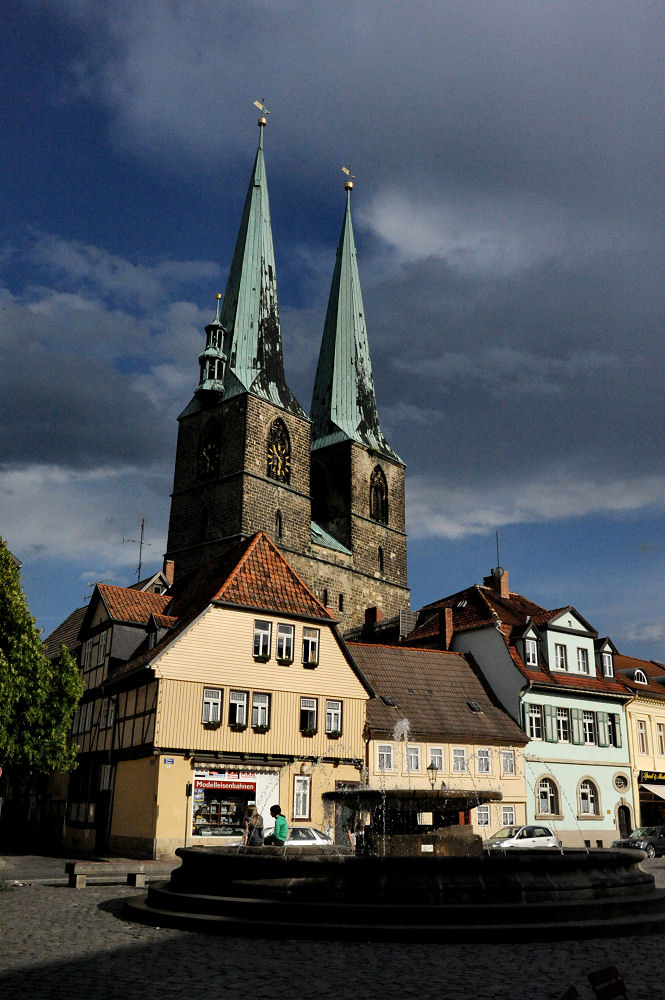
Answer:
[(522, 837), (304, 836)]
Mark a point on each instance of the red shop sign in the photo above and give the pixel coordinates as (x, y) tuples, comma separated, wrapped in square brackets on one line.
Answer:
[(226, 786)]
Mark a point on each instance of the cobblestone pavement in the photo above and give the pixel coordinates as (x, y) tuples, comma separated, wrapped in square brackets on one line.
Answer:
[(61, 944)]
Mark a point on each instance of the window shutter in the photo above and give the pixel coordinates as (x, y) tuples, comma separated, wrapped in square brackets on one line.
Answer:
[(550, 723), (603, 731), (578, 730), (617, 730)]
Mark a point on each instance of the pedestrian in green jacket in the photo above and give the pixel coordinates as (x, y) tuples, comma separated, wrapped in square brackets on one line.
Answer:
[(278, 836)]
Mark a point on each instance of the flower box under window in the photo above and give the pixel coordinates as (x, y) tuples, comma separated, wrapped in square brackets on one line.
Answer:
[(285, 661), (334, 734), (261, 657), (311, 663), (260, 729), (215, 724), (238, 727), (308, 732)]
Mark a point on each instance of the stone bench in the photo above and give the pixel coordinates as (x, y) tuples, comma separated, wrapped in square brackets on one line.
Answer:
[(134, 871)]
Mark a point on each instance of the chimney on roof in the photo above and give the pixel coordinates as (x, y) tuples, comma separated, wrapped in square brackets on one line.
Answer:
[(167, 570), (446, 627), (373, 616), (498, 581)]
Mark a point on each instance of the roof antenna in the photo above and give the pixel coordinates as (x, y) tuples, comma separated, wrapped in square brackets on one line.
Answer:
[(140, 544), (498, 572)]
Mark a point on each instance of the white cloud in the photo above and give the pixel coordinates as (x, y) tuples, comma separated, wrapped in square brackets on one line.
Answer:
[(435, 508)]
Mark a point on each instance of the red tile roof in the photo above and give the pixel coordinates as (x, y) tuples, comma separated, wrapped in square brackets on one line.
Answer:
[(124, 604), (432, 690), (655, 673)]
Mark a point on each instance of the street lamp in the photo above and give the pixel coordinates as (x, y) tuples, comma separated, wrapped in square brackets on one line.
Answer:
[(432, 771)]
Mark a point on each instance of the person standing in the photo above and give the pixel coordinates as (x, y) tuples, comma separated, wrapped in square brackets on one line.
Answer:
[(253, 828), (278, 836)]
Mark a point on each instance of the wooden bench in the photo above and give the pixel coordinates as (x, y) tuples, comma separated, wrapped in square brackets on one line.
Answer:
[(134, 871)]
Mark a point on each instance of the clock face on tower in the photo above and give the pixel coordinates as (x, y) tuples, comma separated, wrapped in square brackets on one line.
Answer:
[(209, 453), (279, 453)]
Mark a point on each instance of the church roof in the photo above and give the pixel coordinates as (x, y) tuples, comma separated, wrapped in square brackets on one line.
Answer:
[(250, 311), (343, 401)]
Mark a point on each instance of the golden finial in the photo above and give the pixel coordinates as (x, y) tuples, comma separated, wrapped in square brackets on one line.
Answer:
[(219, 295), (263, 120), (351, 177)]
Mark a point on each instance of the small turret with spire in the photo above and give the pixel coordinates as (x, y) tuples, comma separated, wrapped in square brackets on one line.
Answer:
[(212, 360)]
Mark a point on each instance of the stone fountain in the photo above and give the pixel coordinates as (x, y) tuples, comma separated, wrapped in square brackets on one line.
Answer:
[(409, 880)]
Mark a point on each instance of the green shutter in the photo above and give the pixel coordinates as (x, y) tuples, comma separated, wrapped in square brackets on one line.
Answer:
[(603, 732), (550, 723), (576, 721), (617, 730)]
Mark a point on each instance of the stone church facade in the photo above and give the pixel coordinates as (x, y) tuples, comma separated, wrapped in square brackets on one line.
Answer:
[(327, 488)]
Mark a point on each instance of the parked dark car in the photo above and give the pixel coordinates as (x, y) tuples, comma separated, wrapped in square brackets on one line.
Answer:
[(646, 838)]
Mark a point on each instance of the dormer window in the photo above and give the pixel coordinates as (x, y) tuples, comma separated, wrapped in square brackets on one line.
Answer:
[(531, 652), (640, 677), (608, 665), (561, 656)]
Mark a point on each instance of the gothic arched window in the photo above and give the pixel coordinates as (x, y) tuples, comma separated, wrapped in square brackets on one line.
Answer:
[(209, 451), (278, 452), (378, 496), (279, 525), (588, 798), (548, 798)]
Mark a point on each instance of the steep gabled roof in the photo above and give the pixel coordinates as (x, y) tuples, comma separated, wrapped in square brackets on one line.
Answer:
[(66, 633), (124, 604), (432, 690)]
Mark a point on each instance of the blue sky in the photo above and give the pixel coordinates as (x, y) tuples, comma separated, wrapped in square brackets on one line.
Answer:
[(508, 212)]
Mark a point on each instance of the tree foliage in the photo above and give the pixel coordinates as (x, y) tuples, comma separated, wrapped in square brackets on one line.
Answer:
[(37, 697)]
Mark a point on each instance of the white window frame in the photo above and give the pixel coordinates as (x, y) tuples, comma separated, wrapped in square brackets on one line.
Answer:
[(310, 646), (507, 758), (640, 677), (459, 760), (483, 815), (642, 737), (412, 758), (107, 713), (507, 815), (384, 757), (587, 798), (212, 705), (309, 714), (660, 738), (483, 757), (548, 798), (333, 715), (608, 664), (563, 732), (260, 710), (302, 796), (87, 656), (560, 656), (101, 648), (589, 728), (436, 757), (531, 652), (262, 638), (583, 660), (238, 701), (285, 642), (534, 720)]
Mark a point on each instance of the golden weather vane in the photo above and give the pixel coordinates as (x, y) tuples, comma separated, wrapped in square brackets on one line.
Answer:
[(351, 177), (263, 120)]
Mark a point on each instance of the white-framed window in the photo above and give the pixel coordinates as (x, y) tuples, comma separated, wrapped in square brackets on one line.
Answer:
[(563, 725), (642, 737), (87, 656), (302, 786), (548, 798), (238, 708), (436, 758), (660, 737), (101, 648), (589, 727), (333, 715), (105, 777), (262, 638), (260, 710), (483, 761), (212, 705), (588, 798), (582, 660), (384, 756), (107, 713), (560, 656), (608, 665), (613, 730), (534, 722), (412, 758), (531, 652), (640, 677), (508, 815), (308, 715), (507, 762), (459, 760), (483, 815), (285, 634), (310, 646)]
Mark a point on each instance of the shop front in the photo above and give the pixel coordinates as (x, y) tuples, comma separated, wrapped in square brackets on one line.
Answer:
[(652, 797), (221, 798)]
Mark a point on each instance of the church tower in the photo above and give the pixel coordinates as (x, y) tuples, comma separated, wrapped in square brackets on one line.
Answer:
[(357, 480), (242, 458)]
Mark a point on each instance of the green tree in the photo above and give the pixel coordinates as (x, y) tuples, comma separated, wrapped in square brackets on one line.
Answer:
[(37, 697)]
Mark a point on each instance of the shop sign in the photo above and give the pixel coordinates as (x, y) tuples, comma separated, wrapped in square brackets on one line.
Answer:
[(226, 786), (652, 777)]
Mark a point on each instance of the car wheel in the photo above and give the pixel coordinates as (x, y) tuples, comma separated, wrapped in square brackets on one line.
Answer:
[(651, 851)]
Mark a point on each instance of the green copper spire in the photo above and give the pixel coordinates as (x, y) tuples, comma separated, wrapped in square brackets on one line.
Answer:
[(250, 313), (212, 360), (343, 401)]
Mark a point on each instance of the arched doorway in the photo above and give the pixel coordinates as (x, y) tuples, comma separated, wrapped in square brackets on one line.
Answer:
[(623, 821)]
